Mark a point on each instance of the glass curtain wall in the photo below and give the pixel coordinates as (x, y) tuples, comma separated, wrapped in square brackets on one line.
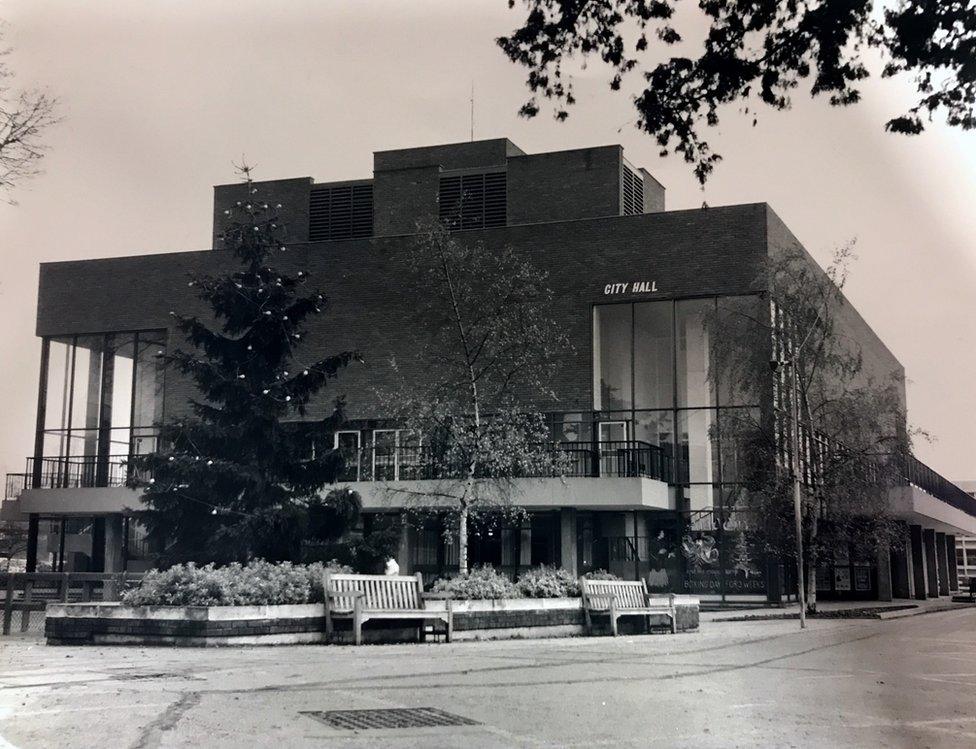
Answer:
[(103, 398), (653, 370)]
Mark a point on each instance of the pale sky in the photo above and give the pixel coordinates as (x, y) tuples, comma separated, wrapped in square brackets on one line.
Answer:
[(159, 97)]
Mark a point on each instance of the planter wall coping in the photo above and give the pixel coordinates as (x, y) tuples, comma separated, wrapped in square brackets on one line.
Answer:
[(303, 610)]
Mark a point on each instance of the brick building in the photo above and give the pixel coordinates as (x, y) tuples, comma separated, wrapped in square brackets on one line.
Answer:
[(634, 396)]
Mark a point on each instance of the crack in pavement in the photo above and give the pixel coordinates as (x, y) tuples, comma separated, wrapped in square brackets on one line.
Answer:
[(151, 735)]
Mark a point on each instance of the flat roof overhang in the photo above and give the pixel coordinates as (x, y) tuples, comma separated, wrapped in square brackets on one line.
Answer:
[(918, 507), (532, 494), (80, 501), (540, 493)]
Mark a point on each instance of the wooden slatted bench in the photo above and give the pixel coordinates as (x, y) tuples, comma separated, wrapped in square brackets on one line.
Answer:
[(617, 598), (390, 597)]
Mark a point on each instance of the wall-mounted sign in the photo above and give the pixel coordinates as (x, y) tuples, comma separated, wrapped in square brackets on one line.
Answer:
[(632, 287), (842, 578)]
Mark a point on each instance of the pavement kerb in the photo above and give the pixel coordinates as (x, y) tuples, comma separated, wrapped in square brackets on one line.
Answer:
[(915, 610)]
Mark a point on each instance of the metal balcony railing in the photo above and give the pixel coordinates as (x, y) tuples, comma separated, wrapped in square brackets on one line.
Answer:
[(630, 459), (16, 483), (82, 471), (915, 472)]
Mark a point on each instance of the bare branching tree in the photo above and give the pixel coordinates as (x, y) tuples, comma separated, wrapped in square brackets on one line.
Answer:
[(485, 344), (24, 116), (851, 416)]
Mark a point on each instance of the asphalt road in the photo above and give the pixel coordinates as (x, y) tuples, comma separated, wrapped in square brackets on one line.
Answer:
[(906, 682)]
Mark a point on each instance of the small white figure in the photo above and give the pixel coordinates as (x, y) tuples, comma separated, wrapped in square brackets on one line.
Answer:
[(392, 568)]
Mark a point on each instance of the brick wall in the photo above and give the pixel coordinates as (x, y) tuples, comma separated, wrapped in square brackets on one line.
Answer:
[(564, 185), (879, 364), (291, 193), (402, 197), (694, 252), (471, 155)]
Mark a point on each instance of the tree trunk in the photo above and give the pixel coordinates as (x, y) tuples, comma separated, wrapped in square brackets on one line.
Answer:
[(812, 577), (463, 540)]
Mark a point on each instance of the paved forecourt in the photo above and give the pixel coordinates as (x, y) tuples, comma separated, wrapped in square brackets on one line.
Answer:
[(903, 682)]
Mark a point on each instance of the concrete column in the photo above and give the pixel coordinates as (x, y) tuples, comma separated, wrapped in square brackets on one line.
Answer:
[(567, 540), (901, 580), (403, 550), (918, 561), (97, 563), (525, 544), (112, 555), (774, 579), (114, 561), (943, 563), (33, 529), (953, 569), (931, 563), (885, 583)]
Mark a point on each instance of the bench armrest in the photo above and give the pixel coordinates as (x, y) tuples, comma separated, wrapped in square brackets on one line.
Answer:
[(344, 593), (438, 596)]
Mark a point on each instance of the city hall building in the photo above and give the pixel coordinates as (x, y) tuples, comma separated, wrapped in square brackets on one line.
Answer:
[(635, 400)]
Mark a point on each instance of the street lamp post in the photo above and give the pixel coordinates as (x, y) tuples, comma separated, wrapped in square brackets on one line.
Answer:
[(801, 595), (795, 469)]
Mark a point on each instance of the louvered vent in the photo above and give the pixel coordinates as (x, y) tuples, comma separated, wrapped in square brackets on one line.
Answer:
[(633, 193), (340, 212), (473, 201)]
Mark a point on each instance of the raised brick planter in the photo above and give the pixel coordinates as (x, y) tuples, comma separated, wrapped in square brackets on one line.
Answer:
[(206, 626)]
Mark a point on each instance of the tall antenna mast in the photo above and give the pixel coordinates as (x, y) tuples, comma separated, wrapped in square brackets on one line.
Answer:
[(472, 110)]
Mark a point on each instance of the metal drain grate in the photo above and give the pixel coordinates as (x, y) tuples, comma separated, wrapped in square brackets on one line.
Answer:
[(409, 717)]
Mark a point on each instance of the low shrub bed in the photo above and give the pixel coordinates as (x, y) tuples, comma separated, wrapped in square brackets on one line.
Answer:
[(261, 583), (539, 582), (257, 583)]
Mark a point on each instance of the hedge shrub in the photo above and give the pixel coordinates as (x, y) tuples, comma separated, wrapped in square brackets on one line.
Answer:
[(548, 582), (257, 583), (480, 583)]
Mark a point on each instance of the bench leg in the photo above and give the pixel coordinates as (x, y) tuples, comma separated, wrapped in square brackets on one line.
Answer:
[(357, 622), (588, 621), (422, 631), (613, 623)]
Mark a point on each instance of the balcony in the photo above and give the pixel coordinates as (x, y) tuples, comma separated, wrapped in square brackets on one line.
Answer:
[(610, 474), (631, 459), (78, 472), (915, 473), (16, 484)]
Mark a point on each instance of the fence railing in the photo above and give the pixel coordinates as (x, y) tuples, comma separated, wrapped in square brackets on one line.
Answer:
[(82, 471), (29, 592), (16, 483), (630, 459), (915, 472)]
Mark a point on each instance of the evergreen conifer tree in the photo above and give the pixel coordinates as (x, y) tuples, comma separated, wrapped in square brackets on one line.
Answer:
[(236, 481)]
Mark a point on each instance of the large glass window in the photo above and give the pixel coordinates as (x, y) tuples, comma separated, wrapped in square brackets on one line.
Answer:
[(743, 370), (653, 355), (695, 389), (103, 397), (697, 447), (612, 356)]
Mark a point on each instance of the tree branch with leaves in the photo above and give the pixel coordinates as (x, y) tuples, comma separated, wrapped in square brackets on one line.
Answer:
[(754, 52), (852, 423), (485, 341), (239, 478)]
